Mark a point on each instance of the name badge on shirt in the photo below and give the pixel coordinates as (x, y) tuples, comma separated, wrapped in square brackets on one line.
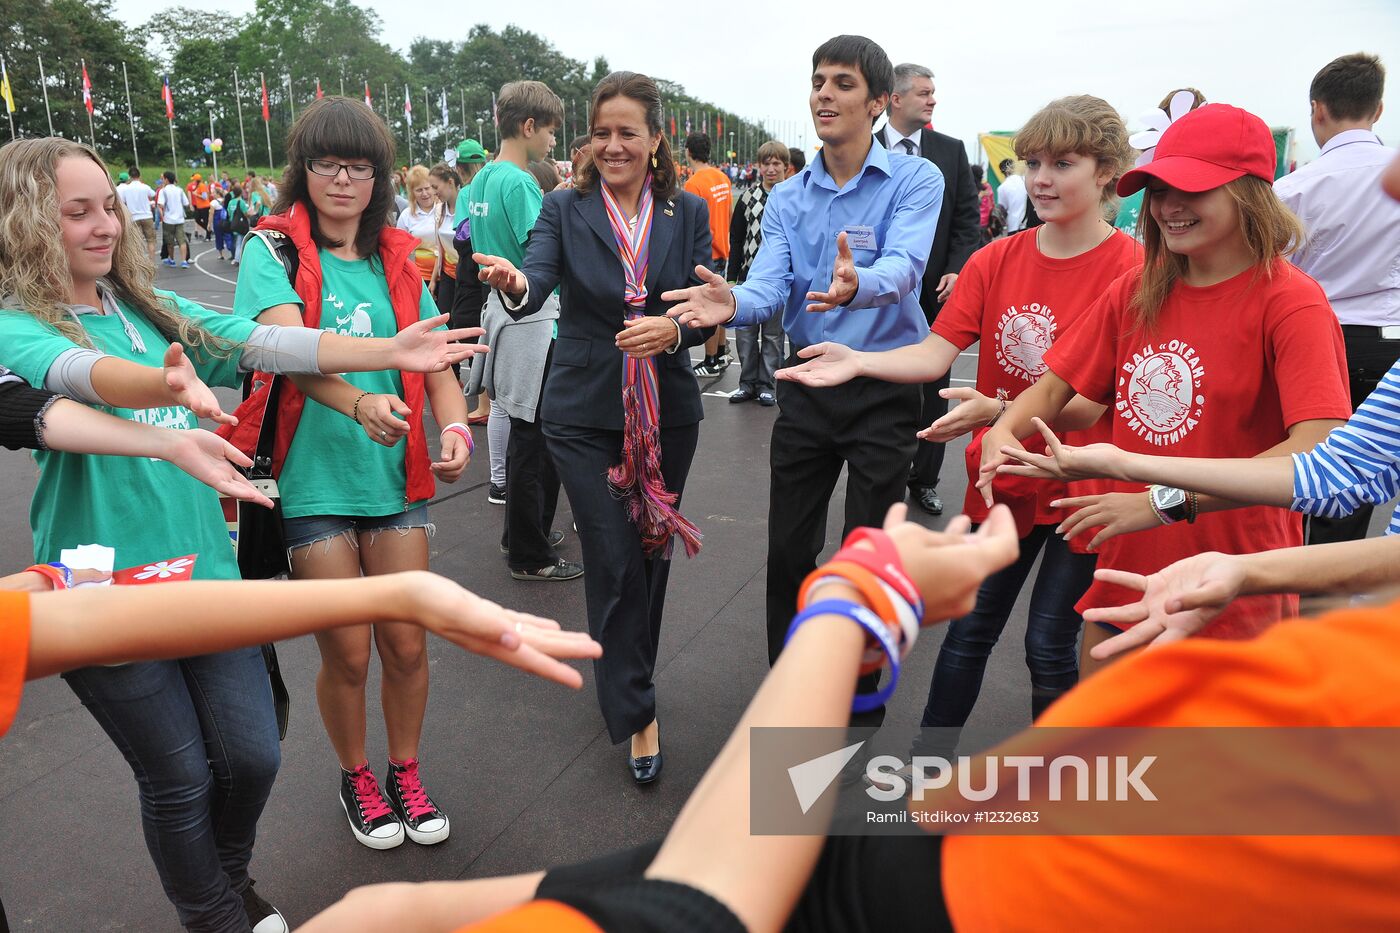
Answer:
[(859, 237)]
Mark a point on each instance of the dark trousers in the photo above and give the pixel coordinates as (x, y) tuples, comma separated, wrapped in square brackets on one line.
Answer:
[(866, 425), (625, 590), (532, 491), (1052, 632), (1369, 357), (446, 295), (200, 736), (928, 457)]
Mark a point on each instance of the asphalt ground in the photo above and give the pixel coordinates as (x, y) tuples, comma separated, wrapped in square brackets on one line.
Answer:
[(523, 768)]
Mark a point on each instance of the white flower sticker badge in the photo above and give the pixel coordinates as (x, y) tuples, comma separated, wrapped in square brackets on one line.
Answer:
[(1157, 122), (165, 569)]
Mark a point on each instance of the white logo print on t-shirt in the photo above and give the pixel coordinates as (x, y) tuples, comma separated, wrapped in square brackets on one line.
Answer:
[(354, 323), (1159, 392), (1023, 336)]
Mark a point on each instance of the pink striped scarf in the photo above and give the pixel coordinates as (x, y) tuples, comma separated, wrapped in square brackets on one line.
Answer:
[(637, 480)]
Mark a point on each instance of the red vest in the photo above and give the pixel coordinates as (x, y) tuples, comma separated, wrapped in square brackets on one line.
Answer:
[(405, 293)]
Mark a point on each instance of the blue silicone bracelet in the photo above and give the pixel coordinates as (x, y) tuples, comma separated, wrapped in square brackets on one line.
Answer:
[(864, 702), (66, 571)]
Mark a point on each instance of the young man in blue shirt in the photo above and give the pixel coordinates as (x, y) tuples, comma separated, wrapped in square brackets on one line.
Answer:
[(845, 243)]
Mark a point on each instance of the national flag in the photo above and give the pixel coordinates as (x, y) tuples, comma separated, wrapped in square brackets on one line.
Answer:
[(169, 99), (267, 111), (407, 107), (172, 570), (319, 95), (673, 123), (5, 88), (719, 126), (687, 123), (368, 102), (87, 90)]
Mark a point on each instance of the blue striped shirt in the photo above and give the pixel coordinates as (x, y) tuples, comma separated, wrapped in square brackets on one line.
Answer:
[(1359, 463)]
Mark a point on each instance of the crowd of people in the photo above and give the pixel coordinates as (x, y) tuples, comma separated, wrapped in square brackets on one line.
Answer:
[(1236, 351)]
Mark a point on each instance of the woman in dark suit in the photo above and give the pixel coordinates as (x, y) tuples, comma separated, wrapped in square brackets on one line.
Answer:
[(621, 404)]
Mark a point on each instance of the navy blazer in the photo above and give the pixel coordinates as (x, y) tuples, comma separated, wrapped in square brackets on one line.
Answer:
[(572, 247)]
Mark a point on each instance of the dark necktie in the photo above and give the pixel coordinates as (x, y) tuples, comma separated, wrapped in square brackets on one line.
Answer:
[(908, 145)]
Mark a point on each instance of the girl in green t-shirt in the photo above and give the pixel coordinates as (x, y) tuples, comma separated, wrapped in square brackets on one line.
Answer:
[(80, 316), (358, 474)]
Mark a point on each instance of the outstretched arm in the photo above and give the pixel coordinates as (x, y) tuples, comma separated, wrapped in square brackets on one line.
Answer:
[(108, 625), (832, 364)]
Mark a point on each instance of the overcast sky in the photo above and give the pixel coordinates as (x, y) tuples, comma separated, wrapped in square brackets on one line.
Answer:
[(991, 73)]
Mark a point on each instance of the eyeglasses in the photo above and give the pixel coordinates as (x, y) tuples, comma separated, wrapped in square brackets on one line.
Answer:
[(331, 169)]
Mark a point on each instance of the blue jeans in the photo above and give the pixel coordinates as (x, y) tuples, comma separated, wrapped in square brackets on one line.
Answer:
[(201, 738), (1052, 631)]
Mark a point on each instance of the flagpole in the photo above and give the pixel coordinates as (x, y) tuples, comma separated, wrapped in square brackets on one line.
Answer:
[(267, 131), (342, 84), (92, 133), (131, 120), (238, 105), (463, 94), (11, 93), (408, 119), (291, 104), (427, 127), (44, 86), (174, 159)]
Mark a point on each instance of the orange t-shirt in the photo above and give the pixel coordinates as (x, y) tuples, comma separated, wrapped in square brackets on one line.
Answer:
[(1341, 670), (14, 653), (710, 184), (535, 917)]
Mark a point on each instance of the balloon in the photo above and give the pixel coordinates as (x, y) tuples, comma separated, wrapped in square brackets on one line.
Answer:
[(208, 148), (208, 141), (218, 144)]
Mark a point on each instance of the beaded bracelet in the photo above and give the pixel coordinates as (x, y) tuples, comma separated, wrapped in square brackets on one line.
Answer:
[(355, 411), (60, 575), (875, 627)]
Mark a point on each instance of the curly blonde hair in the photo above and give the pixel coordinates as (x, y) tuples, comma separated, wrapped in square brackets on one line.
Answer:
[(34, 272)]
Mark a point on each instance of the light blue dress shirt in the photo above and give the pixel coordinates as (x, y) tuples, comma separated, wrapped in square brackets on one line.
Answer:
[(893, 200)]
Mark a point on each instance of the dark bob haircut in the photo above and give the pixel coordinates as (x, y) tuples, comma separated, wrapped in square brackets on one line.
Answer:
[(345, 128)]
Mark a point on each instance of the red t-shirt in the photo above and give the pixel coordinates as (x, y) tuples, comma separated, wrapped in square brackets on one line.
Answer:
[(1341, 670), (1016, 301), (14, 653), (1225, 372)]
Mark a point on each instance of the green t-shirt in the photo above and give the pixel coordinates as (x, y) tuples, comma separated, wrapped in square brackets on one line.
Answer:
[(504, 202), (148, 510), (332, 468), (459, 210), (1128, 210)]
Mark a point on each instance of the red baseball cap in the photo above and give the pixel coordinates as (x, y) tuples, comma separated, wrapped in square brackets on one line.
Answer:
[(1210, 146)]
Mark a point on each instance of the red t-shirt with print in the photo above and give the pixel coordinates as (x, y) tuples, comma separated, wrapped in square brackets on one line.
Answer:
[(1224, 372), (1016, 301)]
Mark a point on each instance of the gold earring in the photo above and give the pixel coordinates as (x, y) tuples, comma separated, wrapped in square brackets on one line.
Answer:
[(653, 158)]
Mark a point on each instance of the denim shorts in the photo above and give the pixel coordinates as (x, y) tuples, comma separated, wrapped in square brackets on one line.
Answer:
[(309, 529)]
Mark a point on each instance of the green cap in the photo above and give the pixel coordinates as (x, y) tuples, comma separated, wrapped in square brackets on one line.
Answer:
[(469, 150), (123, 177)]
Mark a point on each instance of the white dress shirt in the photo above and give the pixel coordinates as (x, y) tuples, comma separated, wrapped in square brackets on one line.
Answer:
[(894, 141), (1353, 247), (1011, 194)]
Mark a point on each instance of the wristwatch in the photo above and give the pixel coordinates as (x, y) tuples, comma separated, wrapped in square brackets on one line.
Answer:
[(1171, 504)]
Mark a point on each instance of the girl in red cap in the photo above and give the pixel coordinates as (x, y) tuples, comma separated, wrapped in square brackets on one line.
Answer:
[(1014, 298), (1217, 347)]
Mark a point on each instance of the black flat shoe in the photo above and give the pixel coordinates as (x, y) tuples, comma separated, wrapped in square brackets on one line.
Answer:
[(926, 498), (645, 769)]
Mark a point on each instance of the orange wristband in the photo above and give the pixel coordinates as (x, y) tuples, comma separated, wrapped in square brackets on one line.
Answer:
[(867, 584)]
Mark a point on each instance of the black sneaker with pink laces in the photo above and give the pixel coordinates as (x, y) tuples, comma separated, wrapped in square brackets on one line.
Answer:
[(425, 823), (371, 818)]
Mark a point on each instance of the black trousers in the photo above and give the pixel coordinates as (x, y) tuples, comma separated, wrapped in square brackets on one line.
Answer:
[(866, 425), (445, 295), (1369, 357), (532, 490), (625, 590), (928, 456), (861, 884)]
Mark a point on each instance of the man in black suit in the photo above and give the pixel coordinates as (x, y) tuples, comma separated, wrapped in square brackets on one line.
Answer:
[(957, 236)]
